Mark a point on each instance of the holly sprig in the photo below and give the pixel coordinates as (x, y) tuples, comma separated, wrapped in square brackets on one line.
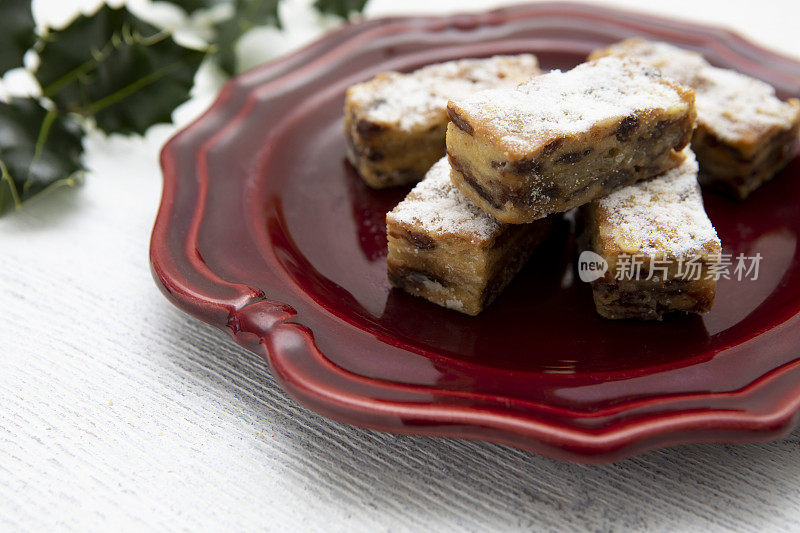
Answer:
[(110, 71)]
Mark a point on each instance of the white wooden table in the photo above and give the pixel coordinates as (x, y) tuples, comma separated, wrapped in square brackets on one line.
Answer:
[(116, 409)]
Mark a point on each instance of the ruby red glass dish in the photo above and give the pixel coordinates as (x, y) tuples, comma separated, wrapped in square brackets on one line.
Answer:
[(266, 232)]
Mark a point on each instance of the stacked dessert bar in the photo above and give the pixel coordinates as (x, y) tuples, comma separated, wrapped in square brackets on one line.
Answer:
[(745, 134), (395, 122), (563, 139), (446, 249), (661, 223), (615, 137)]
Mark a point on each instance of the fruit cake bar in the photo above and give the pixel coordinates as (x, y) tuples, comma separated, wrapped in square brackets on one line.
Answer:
[(443, 248), (745, 133), (659, 245), (395, 123), (565, 138)]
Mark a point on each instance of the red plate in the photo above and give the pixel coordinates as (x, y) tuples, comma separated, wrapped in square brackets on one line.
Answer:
[(264, 231)]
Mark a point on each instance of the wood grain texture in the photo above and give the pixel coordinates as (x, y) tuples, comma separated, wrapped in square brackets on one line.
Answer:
[(118, 410)]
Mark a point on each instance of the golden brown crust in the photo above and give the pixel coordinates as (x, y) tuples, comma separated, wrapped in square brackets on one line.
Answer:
[(522, 191), (736, 174)]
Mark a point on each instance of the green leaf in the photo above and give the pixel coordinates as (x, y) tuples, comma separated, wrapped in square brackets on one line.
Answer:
[(190, 6), (16, 32), (341, 8), (247, 14), (117, 68), (39, 150)]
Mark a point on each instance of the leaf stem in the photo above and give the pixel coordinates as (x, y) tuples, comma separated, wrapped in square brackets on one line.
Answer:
[(71, 75), (5, 176), (128, 90), (44, 131)]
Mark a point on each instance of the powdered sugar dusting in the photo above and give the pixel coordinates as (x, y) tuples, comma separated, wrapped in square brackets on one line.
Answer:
[(406, 101), (733, 106), (439, 208), (662, 217), (568, 103), (681, 65)]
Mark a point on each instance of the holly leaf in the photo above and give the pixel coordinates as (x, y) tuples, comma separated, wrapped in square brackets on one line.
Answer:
[(115, 67), (341, 8), (16, 32), (247, 15), (190, 6), (39, 150)]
